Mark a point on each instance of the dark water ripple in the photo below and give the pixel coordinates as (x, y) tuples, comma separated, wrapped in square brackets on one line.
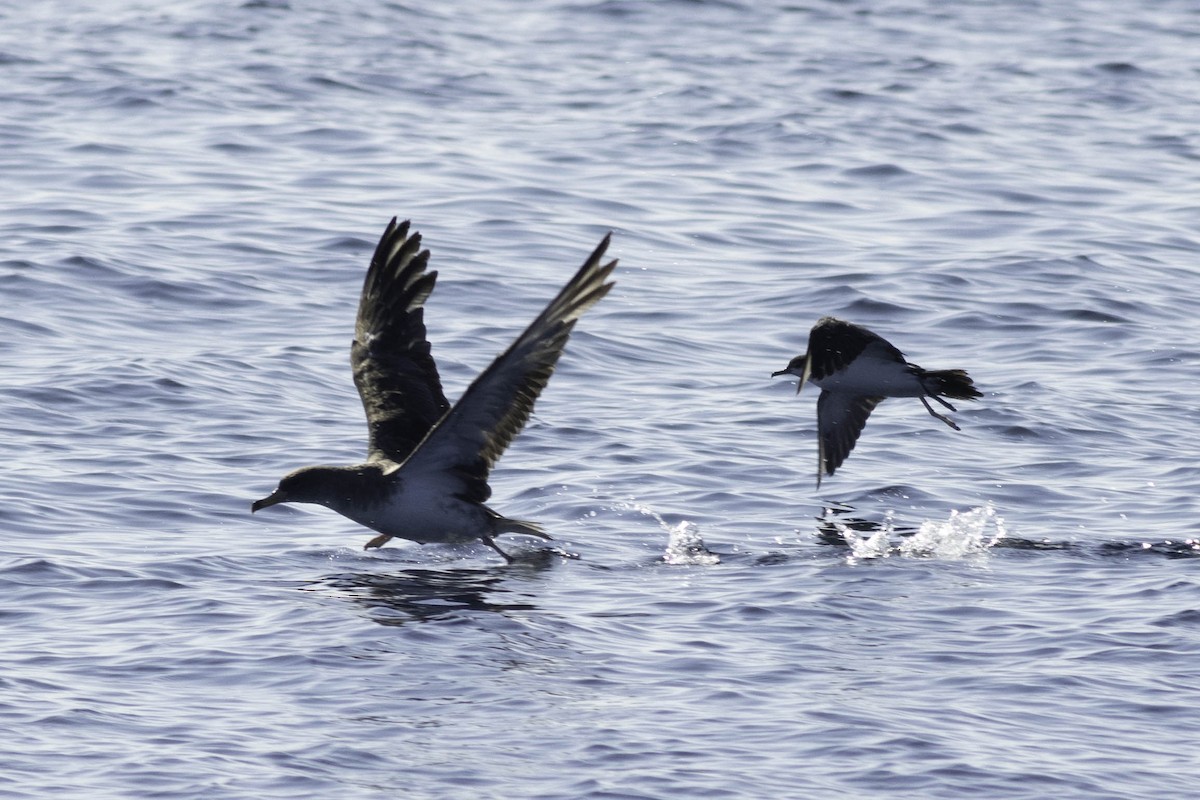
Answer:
[(1005, 612)]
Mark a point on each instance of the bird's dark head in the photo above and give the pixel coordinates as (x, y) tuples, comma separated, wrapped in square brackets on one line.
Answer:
[(305, 485), (798, 366)]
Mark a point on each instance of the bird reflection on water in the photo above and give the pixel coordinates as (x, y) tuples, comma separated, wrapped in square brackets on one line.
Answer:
[(422, 594)]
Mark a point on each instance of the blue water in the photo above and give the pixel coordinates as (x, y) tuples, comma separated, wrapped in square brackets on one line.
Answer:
[(191, 193)]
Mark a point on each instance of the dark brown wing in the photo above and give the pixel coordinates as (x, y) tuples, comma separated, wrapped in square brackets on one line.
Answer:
[(840, 419), (393, 367), (833, 343), (494, 409)]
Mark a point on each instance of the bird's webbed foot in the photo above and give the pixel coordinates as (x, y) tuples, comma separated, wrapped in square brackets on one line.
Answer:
[(378, 541), (490, 542), (944, 402), (942, 417)]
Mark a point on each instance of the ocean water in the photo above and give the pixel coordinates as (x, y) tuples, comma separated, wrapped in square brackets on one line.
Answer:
[(192, 192)]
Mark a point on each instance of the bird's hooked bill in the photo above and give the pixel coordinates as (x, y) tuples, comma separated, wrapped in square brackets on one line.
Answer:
[(273, 498), (799, 383)]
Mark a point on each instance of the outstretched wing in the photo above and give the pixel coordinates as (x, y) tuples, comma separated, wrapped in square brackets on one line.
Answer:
[(833, 343), (494, 409), (840, 419), (394, 369)]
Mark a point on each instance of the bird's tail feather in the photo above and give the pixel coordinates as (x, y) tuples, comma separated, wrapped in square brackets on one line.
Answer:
[(521, 526), (953, 383)]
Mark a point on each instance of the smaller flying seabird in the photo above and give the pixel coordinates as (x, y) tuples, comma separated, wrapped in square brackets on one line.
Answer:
[(425, 477), (856, 370)]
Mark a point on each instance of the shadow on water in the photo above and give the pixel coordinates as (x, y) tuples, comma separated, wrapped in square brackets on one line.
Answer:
[(840, 527), (422, 594)]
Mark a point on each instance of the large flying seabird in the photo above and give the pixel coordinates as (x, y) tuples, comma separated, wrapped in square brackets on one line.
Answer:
[(425, 477)]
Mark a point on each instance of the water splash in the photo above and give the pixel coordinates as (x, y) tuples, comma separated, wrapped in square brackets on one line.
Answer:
[(877, 545), (645, 511), (687, 547), (963, 533)]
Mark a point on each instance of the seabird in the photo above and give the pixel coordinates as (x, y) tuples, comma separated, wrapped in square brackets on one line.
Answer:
[(426, 473), (856, 370)]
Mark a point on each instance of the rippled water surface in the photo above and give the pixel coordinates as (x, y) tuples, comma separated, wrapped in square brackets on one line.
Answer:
[(191, 195)]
